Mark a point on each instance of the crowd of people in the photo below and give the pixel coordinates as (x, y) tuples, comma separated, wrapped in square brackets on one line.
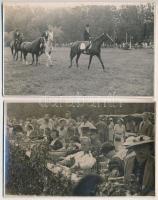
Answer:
[(86, 142), (105, 128)]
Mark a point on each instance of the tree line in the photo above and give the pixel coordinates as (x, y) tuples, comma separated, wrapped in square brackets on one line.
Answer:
[(25, 110), (135, 22)]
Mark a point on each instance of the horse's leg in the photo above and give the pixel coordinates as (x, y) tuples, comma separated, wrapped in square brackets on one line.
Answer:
[(24, 58), (70, 62), (21, 56), (99, 57), (17, 55), (12, 50), (90, 59), (72, 55), (32, 59), (36, 59), (50, 59), (25, 54), (77, 58)]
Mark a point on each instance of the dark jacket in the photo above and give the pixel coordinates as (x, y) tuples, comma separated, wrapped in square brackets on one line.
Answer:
[(86, 35), (148, 183), (16, 35), (57, 145), (146, 128)]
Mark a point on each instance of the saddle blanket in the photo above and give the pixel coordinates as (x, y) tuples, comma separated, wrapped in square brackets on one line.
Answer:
[(84, 45)]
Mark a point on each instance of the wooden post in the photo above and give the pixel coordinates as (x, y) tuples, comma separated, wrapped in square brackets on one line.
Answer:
[(130, 45), (126, 38)]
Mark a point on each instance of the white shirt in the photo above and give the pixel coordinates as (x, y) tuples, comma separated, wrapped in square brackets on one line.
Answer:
[(119, 129)]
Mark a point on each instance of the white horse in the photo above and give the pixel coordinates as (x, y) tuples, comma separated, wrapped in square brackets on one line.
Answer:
[(49, 48)]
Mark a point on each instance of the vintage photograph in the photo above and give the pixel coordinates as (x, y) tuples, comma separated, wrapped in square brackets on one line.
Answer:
[(86, 149), (78, 48)]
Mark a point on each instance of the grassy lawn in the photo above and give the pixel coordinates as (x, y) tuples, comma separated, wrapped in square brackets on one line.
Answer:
[(128, 73)]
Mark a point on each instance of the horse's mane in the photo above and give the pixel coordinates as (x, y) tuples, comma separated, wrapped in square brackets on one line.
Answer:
[(98, 37), (36, 41)]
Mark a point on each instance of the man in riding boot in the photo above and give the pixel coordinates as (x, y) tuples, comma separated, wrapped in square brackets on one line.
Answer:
[(87, 37)]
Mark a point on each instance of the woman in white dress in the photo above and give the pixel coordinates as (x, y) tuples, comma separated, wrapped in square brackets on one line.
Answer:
[(111, 130), (119, 134)]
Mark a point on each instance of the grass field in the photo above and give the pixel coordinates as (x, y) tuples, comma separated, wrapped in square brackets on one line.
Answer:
[(128, 73)]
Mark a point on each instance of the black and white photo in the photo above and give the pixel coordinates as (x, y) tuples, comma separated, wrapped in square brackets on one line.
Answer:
[(78, 48), (79, 149)]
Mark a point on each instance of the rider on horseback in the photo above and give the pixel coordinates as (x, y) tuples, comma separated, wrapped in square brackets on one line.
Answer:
[(16, 35), (86, 33), (87, 37)]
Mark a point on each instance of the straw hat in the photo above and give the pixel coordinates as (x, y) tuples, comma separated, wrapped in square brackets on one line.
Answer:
[(62, 119)]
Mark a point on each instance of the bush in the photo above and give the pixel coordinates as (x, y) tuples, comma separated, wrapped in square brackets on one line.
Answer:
[(29, 176)]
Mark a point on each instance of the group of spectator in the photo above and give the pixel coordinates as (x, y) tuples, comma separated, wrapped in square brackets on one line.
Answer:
[(85, 141), (65, 129)]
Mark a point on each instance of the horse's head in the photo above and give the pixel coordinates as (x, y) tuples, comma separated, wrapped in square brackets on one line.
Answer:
[(51, 35), (107, 37), (42, 43)]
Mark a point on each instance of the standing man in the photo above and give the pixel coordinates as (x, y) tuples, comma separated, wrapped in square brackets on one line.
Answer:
[(140, 167), (146, 127), (101, 126)]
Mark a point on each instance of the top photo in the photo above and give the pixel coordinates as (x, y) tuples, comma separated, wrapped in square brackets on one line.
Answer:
[(78, 48)]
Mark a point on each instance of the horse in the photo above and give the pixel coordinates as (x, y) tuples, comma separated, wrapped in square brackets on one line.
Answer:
[(15, 44), (35, 48), (94, 49), (48, 46)]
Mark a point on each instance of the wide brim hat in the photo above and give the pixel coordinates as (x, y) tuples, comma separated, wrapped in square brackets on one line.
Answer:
[(121, 119), (62, 119), (132, 141), (88, 126)]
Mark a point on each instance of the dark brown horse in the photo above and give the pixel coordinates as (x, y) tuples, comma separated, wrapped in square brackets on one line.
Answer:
[(93, 50), (35, 48)]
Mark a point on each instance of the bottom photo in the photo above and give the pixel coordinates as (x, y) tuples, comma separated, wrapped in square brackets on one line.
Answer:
[(79, 149)]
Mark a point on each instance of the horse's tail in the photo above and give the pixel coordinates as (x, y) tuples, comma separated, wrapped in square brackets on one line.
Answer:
[(72, 51), (12, 47)]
